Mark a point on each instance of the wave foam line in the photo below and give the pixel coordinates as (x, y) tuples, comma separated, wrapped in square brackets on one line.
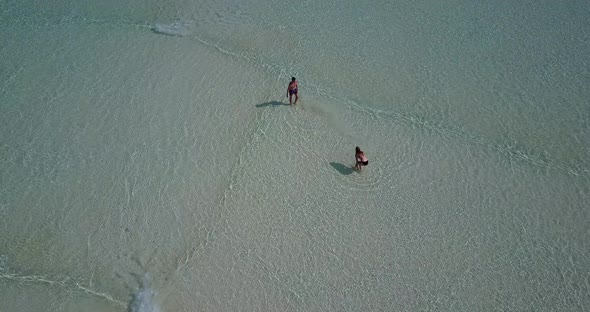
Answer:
[(179, 29), (44, 21), (67, 283), (537, 159), (174, 29)]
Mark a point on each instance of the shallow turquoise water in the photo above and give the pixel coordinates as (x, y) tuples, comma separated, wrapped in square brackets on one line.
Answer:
[(148, 161)]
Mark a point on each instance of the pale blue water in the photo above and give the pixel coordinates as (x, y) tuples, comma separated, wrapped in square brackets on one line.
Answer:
[(148, 162)]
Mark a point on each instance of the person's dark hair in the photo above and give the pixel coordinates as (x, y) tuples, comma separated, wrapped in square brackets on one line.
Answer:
[(292, 78), (358, 149)]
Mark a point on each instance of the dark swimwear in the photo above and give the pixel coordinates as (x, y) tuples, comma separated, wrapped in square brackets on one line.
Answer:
[(293, 91), (365, 163)]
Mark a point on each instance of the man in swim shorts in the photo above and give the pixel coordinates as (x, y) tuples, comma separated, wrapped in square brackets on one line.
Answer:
[(361, 159), (292, 89)]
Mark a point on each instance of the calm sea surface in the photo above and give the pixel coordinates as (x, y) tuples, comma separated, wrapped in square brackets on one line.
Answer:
[(149, 160)]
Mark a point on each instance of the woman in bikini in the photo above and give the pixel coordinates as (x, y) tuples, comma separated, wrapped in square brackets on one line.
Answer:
[(361, 159)]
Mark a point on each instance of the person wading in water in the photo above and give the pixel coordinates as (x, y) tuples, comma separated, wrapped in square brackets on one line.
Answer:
[(361, 159), (292, 89)]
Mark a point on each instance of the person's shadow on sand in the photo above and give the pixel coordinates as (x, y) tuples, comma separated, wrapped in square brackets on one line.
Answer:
[(271, 103), (345, 170)]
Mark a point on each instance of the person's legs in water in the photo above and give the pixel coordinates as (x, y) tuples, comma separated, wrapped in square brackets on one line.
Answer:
[(291, 92)]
